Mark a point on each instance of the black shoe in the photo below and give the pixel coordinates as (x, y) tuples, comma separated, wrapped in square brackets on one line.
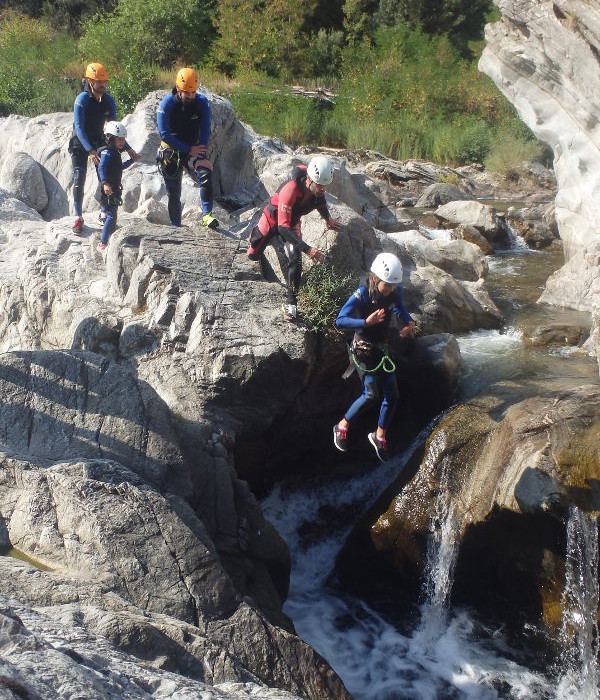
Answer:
[(380, 445), (340, 438)]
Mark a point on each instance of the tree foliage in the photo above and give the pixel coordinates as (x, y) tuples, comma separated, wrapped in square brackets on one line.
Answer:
[(460, 20), (163, 32), (60, 14), (262, 35)]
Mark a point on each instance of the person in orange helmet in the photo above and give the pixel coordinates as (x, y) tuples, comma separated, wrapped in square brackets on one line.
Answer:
[(94, 106), (184, 125)]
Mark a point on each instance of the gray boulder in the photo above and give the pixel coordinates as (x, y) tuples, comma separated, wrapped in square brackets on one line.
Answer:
[(21, 176), (14, 210), (441, 193), (481, 216), (444, 283)]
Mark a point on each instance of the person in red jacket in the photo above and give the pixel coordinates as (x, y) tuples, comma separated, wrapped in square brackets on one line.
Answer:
[(279, 223)]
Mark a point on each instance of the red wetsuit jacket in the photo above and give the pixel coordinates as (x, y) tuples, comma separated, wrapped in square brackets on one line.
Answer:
[(288, 205)]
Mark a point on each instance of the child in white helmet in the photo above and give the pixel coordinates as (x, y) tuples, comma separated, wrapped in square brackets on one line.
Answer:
[(368, 313), (110, 172)]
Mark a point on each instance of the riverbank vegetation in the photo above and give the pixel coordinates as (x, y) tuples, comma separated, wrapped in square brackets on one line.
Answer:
[(395, 76)]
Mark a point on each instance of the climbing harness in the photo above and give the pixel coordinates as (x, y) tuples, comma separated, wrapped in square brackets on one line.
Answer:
[(386, 363), (169, 161), (113, 200)]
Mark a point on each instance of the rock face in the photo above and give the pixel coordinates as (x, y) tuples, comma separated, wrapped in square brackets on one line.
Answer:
[(140, 383), (137, 540), (481, 216), (544, 58)]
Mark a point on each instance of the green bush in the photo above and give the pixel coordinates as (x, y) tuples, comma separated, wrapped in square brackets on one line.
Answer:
[(324, 54), (131, 84), (33, 62), (323, 292), (474, 142)]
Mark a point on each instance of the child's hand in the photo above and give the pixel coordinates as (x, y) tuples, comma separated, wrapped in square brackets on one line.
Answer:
[(376, 317), (107, 187)]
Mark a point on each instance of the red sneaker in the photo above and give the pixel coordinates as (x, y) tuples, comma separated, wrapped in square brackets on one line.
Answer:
[(77, 227), (380, 445), (340, 438)]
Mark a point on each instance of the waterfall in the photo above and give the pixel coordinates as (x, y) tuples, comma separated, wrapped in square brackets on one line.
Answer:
[(517, 242), (579, 633), (442, 552)]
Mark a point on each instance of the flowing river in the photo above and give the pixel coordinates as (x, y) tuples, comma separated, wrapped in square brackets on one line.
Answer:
[(435, 651)]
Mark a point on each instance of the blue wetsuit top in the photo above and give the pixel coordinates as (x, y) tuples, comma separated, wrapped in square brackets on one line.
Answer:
[(110, 168), (90, 117), (184, 125), (359, 306)]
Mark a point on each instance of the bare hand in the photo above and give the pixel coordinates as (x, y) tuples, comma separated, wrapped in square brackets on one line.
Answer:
[(107, 187), (405, 331), (133, 155), (316, 255), (376, 317), (198, 150), (334, 224), (94, 156)]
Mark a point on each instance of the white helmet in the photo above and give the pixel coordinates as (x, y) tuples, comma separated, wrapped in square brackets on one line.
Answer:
[(388, 268), (115, 129), (320, 170)]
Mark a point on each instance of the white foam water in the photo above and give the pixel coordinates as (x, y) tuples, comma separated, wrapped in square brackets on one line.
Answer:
[(480, 351), (447, 654)]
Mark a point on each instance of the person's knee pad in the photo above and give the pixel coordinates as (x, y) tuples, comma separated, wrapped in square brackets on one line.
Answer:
[(204, 177), (79, 175)]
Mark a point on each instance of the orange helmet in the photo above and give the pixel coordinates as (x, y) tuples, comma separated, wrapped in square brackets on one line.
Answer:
[(96, 71), (187, 80)]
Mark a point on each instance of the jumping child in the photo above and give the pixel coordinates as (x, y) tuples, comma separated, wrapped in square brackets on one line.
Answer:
[(368, 313)]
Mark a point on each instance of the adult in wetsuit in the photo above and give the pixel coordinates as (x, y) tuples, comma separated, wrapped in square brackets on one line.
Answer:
[(280, 223), (184, 126), (93, 107)]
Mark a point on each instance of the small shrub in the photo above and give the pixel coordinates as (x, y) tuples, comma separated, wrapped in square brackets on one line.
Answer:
[(449, 178), (509, 151), (474, 143), (322, 294)]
